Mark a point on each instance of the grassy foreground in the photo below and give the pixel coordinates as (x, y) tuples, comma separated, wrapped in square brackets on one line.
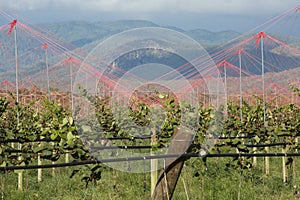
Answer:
[(217, 182)]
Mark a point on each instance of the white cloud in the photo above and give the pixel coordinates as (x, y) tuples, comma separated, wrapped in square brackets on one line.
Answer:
[(138, 6), (26, 5)]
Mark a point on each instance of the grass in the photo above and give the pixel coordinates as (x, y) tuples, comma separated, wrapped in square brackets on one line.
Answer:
[(219, 183)]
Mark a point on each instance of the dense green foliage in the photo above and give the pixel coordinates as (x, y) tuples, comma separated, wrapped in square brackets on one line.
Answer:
[(23, 128), (30, 123)]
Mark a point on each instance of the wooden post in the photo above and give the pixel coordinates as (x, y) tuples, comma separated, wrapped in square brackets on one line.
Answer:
[(39, 163), (168, 178), (294, 171), (20, 173), (39, 170), (254, 158), (267, 161), (284, 172), (67, 156), (154, 164), (53, 169)]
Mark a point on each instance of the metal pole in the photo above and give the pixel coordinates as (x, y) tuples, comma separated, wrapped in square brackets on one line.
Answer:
[(218, 90), (20, 174), (263, 76), (6, 90), (204, 96), (264, 99), (71, 87), (225, 82), (276, 97), (72, 103), (86, 81), (47, 68), (16, 63), (241, 87)]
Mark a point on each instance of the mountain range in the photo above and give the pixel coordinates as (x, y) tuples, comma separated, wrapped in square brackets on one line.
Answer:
[(87, 35), (81, 33)]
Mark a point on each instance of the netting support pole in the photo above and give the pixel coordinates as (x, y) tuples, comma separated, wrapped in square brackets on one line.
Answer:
[(276, 96), (267, 159), (67, 158), (47, 73), (226, 90), (263, 77), (241, 86), (20, 174), (218, 90), (71, 87), (16, 64), (6, 90)]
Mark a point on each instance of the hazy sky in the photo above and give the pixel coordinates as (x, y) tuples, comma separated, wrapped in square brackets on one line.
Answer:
[(239, 15)]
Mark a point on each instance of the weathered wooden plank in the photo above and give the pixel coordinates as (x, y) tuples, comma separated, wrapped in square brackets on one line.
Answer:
[(169, 176)]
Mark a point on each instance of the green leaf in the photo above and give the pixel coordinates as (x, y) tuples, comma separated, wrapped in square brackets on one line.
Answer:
[(242, 147), (39, 149), (65, 121), (54, 135), (70, 136), (3, 164), (235, 141), (257, 139), (71, 120)]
